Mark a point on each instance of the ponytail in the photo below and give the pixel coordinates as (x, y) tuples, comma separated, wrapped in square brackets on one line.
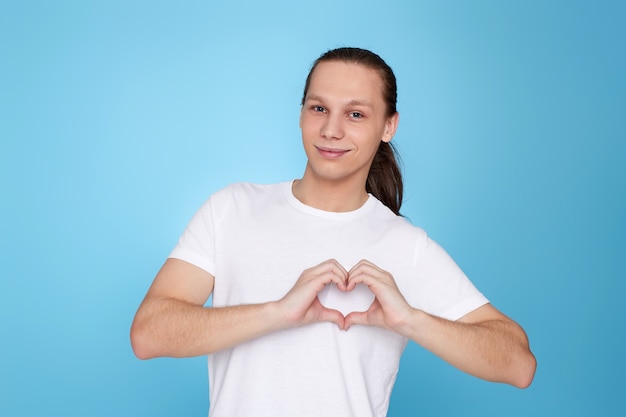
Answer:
[(384, 180)]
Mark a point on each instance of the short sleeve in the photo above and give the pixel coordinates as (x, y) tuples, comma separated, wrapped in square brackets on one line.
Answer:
[(197, 243), (444, 290)]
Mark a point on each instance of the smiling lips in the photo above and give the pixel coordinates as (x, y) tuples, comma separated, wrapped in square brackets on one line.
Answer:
[(331, 153)]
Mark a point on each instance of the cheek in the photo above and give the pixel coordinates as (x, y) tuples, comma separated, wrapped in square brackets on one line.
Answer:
[(302, 116), (308, 133), (308, 126)]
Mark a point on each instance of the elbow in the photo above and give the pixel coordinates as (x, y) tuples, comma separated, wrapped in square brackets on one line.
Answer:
[(523, 364), (525, 372), (140, 341)]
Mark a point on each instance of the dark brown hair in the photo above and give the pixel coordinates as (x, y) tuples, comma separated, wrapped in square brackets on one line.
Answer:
[(384, 180)]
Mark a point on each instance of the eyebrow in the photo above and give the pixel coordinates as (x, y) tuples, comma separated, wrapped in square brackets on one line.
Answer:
[(354, 102)]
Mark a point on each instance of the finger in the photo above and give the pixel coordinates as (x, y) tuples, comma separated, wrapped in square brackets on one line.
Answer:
[(331, 271), (364, 274), (339, 266), (333, 316), (356, 318), (374, 316), (328, 277), (319, 313), (367, 264), (358, 265), (341, 273), (371, 317)]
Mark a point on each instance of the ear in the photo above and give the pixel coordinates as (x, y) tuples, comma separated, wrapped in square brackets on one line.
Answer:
[(391, 125), (300, 119)]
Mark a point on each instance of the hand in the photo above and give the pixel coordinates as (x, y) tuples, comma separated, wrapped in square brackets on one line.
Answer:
[(301, 305), (389, 310)]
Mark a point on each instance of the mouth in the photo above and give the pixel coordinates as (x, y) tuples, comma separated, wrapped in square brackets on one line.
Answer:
[(331, 153)]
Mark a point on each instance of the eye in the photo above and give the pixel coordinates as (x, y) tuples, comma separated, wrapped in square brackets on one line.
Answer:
[(356, 115), (318, 109)]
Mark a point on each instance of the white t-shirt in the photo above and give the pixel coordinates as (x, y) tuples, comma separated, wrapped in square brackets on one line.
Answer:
[(256, 240)]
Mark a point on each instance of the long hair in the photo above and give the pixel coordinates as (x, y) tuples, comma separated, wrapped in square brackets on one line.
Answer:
[(384, 180)]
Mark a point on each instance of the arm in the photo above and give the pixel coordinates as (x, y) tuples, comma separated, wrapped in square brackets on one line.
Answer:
[(172, 319), (484, 343)]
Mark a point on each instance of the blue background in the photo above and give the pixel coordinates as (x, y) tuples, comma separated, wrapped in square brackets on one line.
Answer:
[(119, 118)]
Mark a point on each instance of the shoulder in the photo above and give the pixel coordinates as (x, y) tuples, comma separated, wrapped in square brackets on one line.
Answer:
[(247, 190), (245, 194), (399, 226)]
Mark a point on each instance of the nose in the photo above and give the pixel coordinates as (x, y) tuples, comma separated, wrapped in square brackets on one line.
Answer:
[(332, 128)]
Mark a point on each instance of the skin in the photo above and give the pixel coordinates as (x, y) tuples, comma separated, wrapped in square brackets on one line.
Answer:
[(343, 111), (343, 120)]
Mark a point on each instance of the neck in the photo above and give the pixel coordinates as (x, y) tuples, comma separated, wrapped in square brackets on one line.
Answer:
[(330, 195)]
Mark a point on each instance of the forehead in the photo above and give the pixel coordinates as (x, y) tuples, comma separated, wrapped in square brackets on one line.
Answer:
[(345, 81)]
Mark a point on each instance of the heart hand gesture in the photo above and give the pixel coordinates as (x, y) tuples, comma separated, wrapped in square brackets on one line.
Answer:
[(389, 310)]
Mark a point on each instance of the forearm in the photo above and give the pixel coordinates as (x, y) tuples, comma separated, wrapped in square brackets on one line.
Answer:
[(175, 328), (495, 350)]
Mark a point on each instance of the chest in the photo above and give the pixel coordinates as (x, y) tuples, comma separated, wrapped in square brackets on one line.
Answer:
[(260, 256)]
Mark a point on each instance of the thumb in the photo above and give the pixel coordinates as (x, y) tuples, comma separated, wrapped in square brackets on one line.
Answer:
[(356, 317), (333, 316)]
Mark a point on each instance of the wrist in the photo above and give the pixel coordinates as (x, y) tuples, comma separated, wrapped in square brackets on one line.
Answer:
[(277, 316), (412, 324)]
